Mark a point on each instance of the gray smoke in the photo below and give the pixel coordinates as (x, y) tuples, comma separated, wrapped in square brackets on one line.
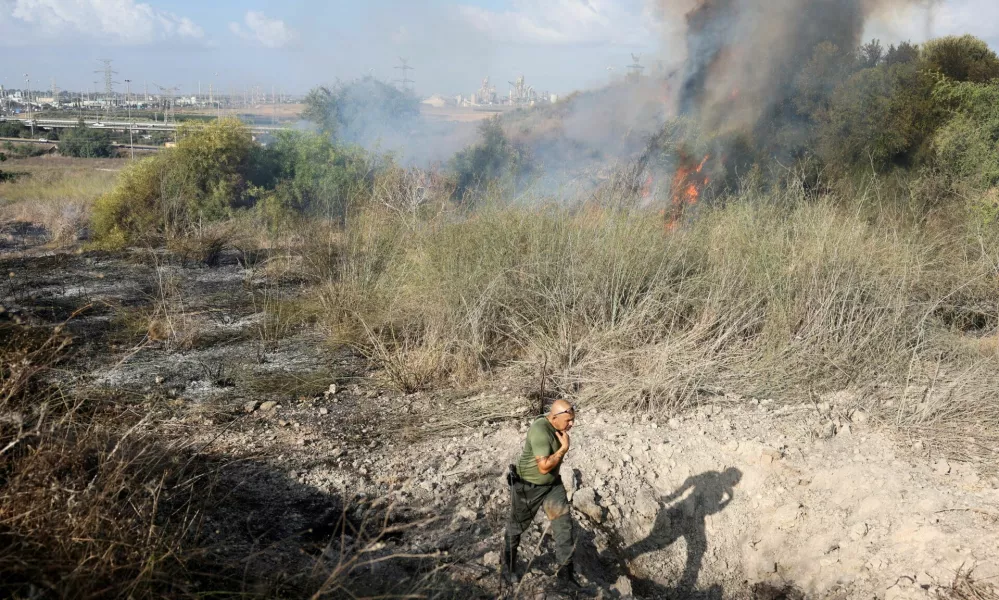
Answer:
[(743, 55)]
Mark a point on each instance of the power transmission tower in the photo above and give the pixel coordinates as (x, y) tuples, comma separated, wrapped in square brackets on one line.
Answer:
[(131, 126), (27, 90), (109, 82), (168, 93), (405, 68), (635, 69)]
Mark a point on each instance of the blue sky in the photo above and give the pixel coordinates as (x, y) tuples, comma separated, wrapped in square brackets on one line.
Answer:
[(559, 45)]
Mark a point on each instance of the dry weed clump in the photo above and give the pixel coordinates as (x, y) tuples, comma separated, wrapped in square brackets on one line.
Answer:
[(964, 587), (60, 200)]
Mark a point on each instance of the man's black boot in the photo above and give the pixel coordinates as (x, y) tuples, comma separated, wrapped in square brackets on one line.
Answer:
[(566, 575), (509, 566)]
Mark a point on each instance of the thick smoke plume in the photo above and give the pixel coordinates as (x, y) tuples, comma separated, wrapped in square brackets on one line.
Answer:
[(743, 55)]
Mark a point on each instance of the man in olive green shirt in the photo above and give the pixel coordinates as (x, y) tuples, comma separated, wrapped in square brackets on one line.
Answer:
[(536, 483)]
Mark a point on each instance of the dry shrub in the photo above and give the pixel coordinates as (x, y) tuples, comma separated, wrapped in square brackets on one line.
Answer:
[(412, 365), (205, 242)]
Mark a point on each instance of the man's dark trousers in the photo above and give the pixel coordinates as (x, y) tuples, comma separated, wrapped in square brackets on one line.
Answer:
[(526, 499)]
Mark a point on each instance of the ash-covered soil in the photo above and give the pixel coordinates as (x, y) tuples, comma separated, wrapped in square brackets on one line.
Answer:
[(742, 498)]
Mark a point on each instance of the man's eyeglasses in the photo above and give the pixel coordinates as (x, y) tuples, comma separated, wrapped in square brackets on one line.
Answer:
[(571, 409)]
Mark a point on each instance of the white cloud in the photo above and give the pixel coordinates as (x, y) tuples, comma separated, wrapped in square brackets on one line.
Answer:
[(564, 22), (269, 33), (124, 22)]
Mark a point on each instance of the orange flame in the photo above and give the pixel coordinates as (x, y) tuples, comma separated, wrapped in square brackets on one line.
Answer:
[(687, 184), (647, 188)]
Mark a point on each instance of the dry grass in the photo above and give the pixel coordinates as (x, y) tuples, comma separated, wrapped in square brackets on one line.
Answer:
[(56, 192), (762, 297), (965, 587)]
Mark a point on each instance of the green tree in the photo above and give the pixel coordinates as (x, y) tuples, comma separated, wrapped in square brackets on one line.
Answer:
[(321, 109), (877, 117), (86, 142), (961, 58), (360, 110), (870, 54), (11, 129), (815, 83), (903, 53)]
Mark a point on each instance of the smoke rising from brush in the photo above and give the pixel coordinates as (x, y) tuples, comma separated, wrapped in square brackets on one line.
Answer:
[(743, 55)]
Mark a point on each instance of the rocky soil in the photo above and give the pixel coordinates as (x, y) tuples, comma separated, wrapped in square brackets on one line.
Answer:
[(743, 498)]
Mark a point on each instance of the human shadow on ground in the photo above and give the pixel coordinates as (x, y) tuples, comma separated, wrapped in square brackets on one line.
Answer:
[(710, 493)]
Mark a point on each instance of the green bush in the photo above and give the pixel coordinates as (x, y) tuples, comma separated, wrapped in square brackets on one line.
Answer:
[(312, 175), (133, 209), (967, 146), (204, 178), (360, 110), (878, 117), (24, 150), (216, 170)]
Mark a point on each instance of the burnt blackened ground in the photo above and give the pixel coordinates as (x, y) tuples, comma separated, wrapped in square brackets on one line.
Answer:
[(295, 489)]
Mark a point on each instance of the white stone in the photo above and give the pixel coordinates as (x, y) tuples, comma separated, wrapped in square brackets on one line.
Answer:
[(623, 586), (585, 501)]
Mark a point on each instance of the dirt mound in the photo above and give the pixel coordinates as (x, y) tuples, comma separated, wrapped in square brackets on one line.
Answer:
[(706, 506)]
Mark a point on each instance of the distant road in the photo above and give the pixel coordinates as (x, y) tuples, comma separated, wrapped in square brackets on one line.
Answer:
[(56, 143), (124, 125), (24, 141)]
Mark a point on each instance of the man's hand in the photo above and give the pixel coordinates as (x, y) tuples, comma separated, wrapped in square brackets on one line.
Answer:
[(563, 438), (547, 464)]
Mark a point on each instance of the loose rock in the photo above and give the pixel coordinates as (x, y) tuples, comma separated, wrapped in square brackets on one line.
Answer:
[(585, 501), (623, 586)]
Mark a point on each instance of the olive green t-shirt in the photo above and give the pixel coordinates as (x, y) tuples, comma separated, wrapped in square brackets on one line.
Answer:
[(541, 441)]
